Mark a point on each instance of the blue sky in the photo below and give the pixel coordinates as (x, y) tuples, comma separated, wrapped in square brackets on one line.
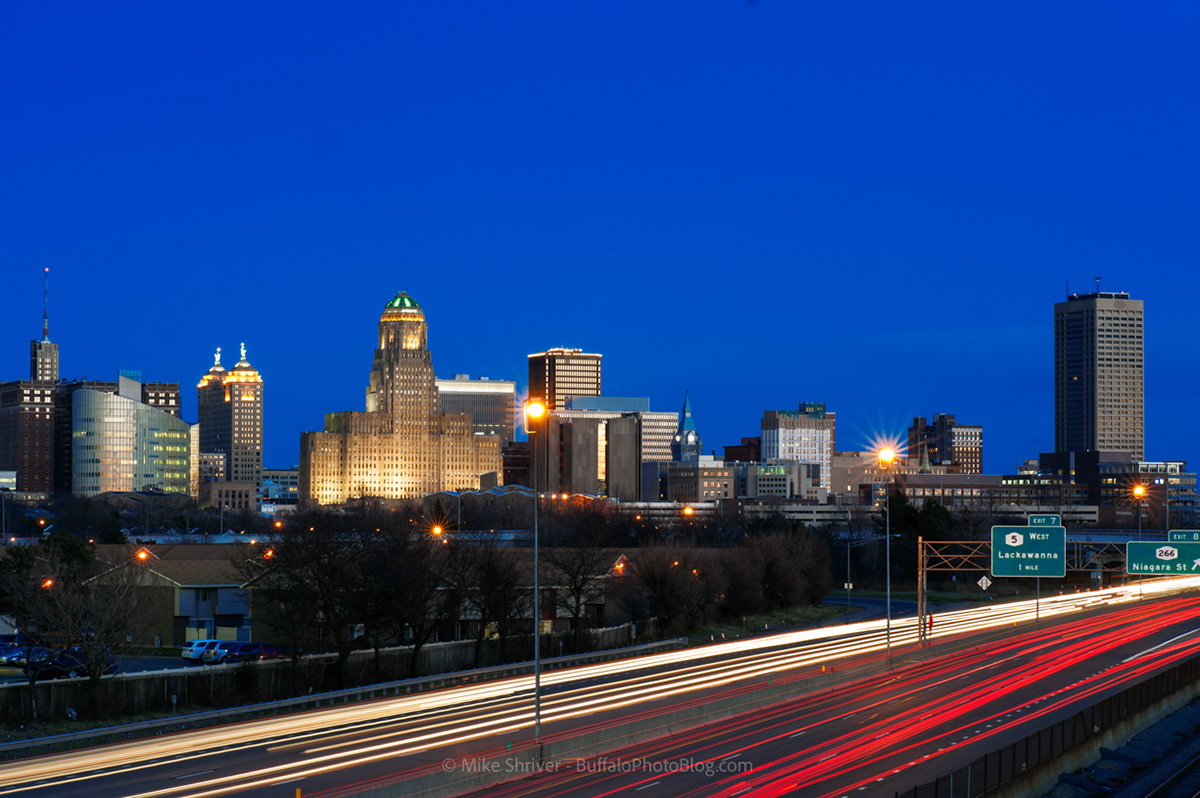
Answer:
[(761, 203)]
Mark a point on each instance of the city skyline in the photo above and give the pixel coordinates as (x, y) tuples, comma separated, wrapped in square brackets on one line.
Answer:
[(857, 443), (770, 205)]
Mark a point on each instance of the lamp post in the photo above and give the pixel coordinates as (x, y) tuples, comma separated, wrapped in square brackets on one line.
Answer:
[(534, 410), (886, 457), (1139, 493)]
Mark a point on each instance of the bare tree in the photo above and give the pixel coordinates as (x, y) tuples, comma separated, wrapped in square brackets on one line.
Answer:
[(670, 577), (575, 567), (426, 598), (493, 587), (60, 593), (307, 577)]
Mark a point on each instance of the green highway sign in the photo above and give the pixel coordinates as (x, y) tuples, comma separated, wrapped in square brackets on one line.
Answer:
[(1029, 551), (1045, 520), (1184, 534), (1156, 558)]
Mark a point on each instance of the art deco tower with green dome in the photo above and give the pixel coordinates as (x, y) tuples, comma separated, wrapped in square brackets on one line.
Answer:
[(401, 447)]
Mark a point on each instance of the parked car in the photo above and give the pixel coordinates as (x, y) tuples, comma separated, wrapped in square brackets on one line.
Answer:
[(70, 663), (224, 651), (271, 651), (19, 655), (193, 650), (246, 652)]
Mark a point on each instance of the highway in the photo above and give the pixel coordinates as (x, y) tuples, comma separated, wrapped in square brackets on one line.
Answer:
[(901, 728), (890, 733)]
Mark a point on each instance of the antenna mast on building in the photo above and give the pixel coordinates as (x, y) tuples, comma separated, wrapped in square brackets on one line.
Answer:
[(1097, 284), (46, 308)]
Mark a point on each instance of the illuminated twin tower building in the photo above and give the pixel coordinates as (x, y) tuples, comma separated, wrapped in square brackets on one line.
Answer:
[(401, 446)]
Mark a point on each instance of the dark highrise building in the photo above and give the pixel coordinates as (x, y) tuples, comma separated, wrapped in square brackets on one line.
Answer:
[(491, 404), (943, 441), (27, 433), (230, 413), (1098, 379), (557, 374), (27, 414)]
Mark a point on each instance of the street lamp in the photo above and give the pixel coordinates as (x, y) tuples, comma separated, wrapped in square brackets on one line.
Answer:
[(886, 457), (534, 411), (1139, 492)]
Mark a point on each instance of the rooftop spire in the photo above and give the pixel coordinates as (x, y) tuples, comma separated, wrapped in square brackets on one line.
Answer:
[(46, 308), (217, 359)]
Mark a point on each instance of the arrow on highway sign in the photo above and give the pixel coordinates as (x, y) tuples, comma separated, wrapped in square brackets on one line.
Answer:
[(1177, 558)]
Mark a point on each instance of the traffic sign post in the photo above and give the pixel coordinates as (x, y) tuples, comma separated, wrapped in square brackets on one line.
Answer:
[(1154, 558), (1033, 551), (1182, 535)]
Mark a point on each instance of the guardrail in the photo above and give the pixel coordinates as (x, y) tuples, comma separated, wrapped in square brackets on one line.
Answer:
[(129, 731), (1007, 766)]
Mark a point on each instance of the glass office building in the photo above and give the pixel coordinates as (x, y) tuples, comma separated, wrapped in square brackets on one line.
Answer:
[(120, 444)]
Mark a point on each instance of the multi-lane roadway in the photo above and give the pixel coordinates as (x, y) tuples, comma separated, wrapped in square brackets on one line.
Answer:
[(882, 730)]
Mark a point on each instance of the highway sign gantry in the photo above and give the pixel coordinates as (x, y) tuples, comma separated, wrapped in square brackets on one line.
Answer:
[(1029, 551), (1155, 558)]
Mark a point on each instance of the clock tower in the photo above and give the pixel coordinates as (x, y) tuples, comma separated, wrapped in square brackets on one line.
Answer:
[(686, 445)]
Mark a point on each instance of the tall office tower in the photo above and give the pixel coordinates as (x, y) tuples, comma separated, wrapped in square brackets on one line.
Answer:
[(401, 447), (943, 441), (807, 435), (230, 413), (119, 443), (491, 404), (43, 354), (1098, 380), (27, 414), (686, 445), (27, 433), (557, 374)]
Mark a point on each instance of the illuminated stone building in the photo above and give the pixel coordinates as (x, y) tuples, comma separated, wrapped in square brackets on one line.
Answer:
[(230, 411), (401, 447)]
